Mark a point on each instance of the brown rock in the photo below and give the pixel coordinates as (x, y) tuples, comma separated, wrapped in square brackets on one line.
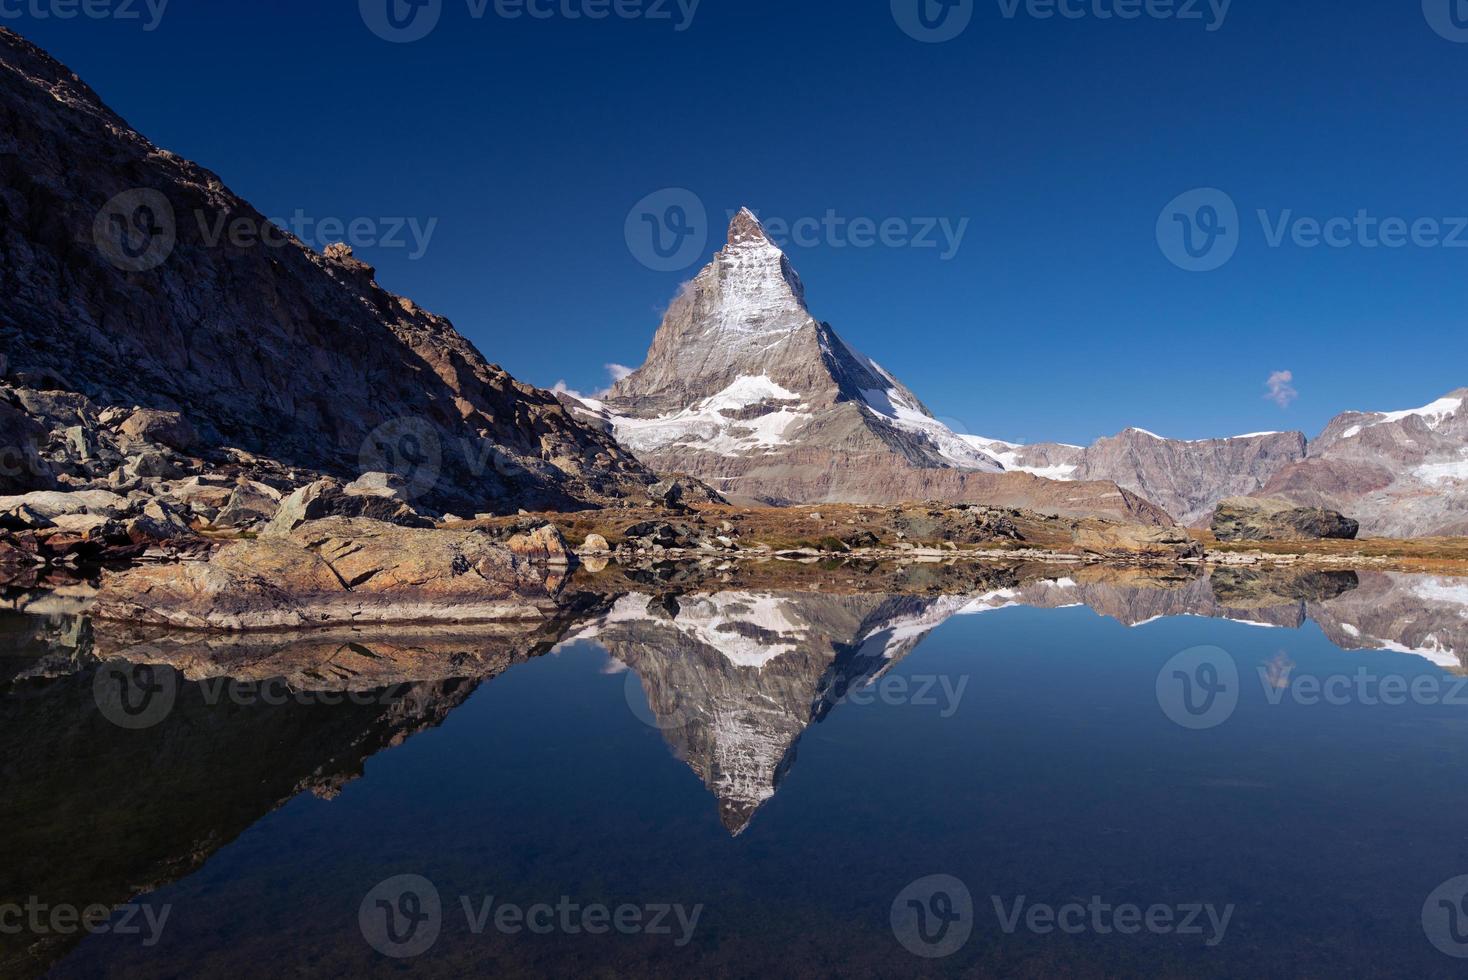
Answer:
[(1127, 541), (169, 429), (543, 544), (334, 572)]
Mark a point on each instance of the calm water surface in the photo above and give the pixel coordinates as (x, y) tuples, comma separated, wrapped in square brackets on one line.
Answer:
[(1060, 778)]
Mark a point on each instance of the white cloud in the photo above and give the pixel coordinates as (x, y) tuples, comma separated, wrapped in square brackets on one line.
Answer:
[(618, 371), (1281, 388)]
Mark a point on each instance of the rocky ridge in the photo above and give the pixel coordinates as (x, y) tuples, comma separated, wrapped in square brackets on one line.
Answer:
[(275, 362)]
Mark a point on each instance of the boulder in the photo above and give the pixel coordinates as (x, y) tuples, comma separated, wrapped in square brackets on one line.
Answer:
[(595, 544), (328, 498), (335, 572), (544, 544), (661, 534), (51, 504), (1265, 519), (169, 429), (378, 485), (1136, 542), (249, 504)]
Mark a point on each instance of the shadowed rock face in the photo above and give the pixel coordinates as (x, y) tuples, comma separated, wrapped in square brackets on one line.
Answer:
[(268, 348), (1257, 519), (746, 390)]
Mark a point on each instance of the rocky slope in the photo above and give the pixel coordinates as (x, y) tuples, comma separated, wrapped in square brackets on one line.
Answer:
[(1187, 478), (1400, 474), (276, 356), (745, 389)]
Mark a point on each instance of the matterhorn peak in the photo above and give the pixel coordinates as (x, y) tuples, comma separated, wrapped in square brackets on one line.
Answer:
[(745, 227)]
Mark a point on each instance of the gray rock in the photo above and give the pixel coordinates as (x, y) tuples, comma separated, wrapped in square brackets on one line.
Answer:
[(169, 429), (1262, 519), (328, 498)]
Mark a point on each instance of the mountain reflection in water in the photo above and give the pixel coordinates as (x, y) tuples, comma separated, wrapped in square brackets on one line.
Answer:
[(731, 680)]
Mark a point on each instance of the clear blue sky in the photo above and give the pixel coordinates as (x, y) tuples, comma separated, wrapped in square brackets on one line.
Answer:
[(1059, 140)]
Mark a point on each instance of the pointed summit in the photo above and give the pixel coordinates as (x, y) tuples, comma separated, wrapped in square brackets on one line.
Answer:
[(746, 227)]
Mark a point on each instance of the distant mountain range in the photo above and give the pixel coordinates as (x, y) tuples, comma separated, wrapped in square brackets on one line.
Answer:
[(745, 389)]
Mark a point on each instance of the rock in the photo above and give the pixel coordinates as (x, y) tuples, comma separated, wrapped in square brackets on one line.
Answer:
[(159, 522), (87, 525), (24, 518), (249, 504), (678, 492), (649, 534), (328, 498), (1130, 541), (378, 485), (332, 572), (1263, 519), (169, 429), (544, 544), (154, 463), (51, 504), (595, 544)]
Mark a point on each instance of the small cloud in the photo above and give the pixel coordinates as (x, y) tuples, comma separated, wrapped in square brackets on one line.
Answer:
[(618, 371), (561, 388), (1281, 388)]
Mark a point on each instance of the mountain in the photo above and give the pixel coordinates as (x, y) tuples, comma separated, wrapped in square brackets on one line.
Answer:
[(734, 679), (744, 389), (1401, 474), (119, 289), (1186, 478)]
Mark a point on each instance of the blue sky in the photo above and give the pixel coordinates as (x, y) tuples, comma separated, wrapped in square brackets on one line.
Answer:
[(1059, 141)]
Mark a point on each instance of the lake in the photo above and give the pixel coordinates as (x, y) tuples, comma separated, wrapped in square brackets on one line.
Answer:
[(1059, 772)]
